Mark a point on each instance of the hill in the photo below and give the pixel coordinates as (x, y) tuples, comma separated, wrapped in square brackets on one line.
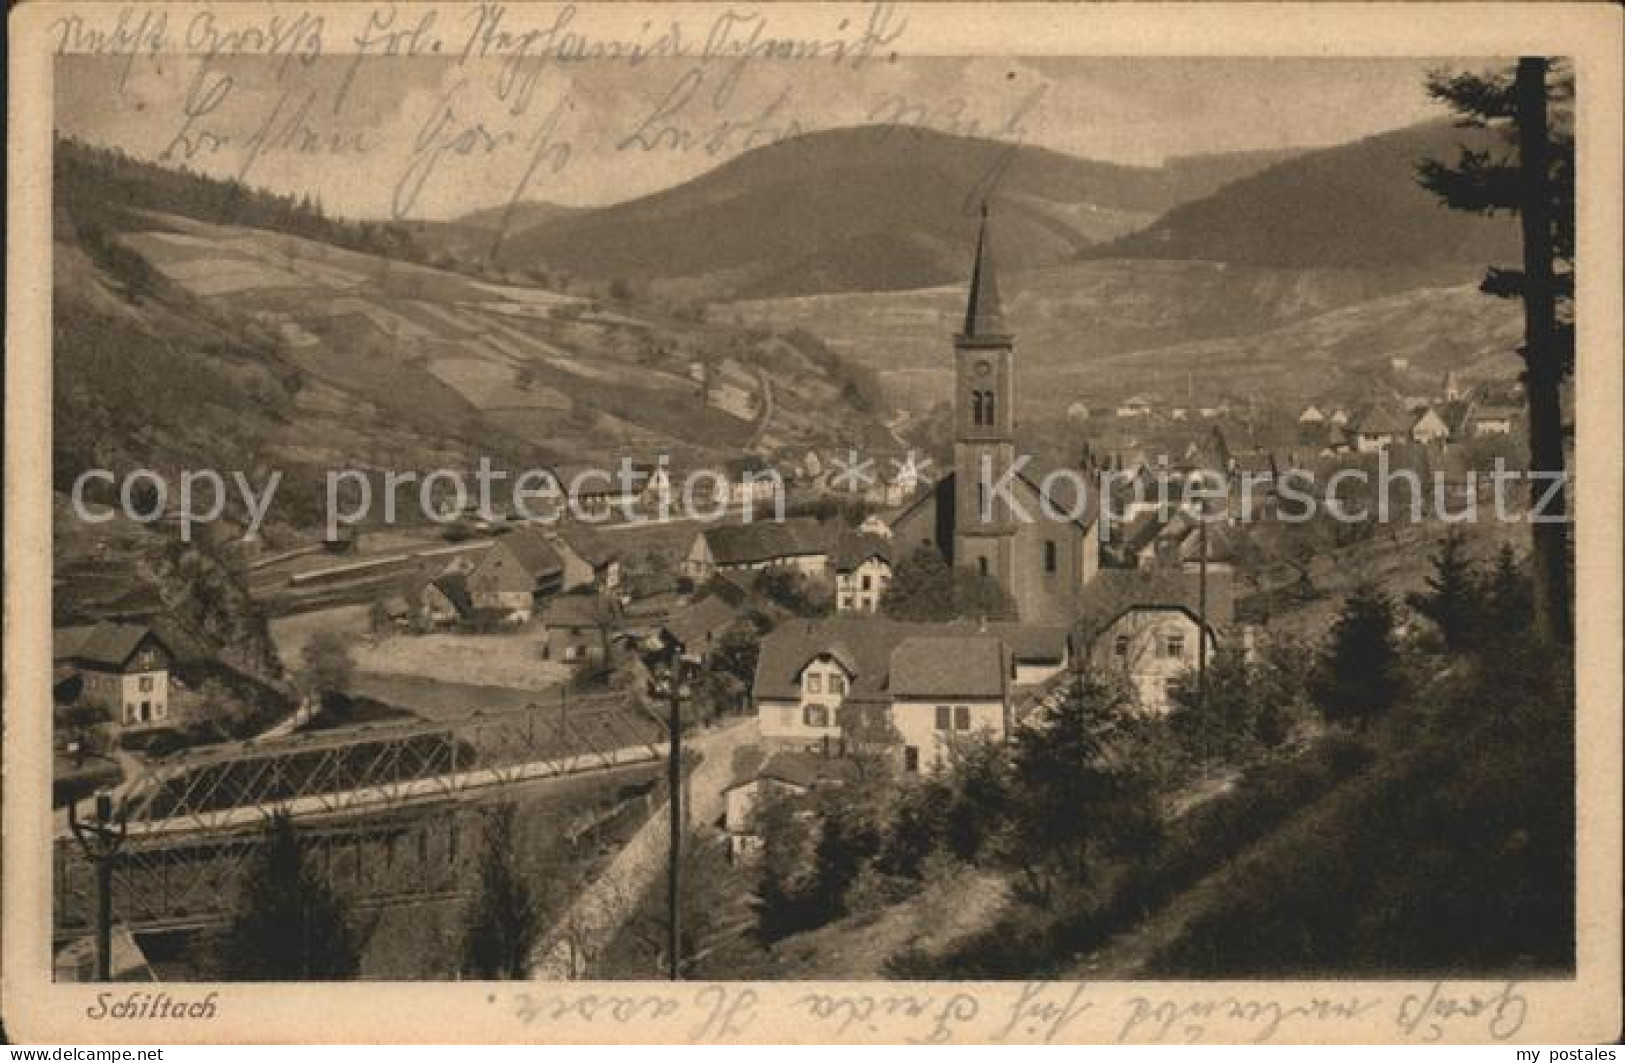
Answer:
[(203, 324), (1101, 330), (1355, 205), (861, 209)]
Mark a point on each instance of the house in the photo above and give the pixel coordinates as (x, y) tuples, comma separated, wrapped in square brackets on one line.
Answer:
[(589, 559), (1339, 416), (1429, 427), (1491, 420), (1376, 427), (801, 543), (1137, 406), (1151, 645), (123, 669), (698, 626), (889, 684), (784, 772), (1038, 653), (577, 628), (517, 573), (594, 492), (863, 570), (946, 688), (1312, 414), (1145, 625), (749, 480)]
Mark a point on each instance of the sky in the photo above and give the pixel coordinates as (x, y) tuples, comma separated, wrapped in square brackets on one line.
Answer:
[(434, 138)]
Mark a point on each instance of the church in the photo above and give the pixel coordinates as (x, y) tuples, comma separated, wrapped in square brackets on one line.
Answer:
[(1044, 561)]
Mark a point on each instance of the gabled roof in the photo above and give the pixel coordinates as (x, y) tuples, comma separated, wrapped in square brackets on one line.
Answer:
[(698, 624), (887, 658), (1114, 591), (853, 548), (454, 585), (529, 546), (580, 610), (950, 666), (801, 770), (107, 644), (759, 541), (588, 545), (1378, 420), (866, 640)]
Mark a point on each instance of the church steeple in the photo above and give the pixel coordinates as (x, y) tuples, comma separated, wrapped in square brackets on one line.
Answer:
[(984, 316)]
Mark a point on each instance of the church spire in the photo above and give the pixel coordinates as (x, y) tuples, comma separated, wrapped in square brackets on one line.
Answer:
[(984, 317)]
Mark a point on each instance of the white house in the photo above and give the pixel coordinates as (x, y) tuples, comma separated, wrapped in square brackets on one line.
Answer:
[(1151, 645), (1430, 428), (123, 669), (860, 681), (863, 570)]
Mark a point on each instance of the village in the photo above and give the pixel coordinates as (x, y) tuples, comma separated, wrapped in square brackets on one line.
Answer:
[(841, 617)]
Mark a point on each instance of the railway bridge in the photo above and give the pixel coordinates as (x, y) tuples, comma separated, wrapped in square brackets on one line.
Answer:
[(389, 812)]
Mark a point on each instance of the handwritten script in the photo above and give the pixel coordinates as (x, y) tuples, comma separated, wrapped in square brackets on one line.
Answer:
[(1048, 1012)]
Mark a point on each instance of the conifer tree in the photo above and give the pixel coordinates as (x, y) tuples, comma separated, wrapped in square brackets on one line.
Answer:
[(504, 919), (290, 925), (1533, 177), (1452, 601), (1358, 674)]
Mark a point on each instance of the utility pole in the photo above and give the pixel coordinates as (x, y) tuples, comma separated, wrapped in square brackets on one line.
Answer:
[(674, 785), (101, 841)]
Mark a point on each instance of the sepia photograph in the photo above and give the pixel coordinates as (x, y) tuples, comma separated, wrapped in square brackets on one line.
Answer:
[(747, 496)]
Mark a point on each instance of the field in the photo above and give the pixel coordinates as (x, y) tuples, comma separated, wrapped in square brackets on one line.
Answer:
[(457, 355), (492, 660)]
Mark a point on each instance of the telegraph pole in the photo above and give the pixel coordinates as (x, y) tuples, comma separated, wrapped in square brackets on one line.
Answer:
[(674, 785), (101, 841)]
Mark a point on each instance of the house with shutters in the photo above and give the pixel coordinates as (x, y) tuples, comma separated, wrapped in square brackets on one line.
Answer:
[(123, 669), (905, 690)]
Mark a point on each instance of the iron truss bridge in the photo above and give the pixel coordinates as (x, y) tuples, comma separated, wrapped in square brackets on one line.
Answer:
[(412, 854), (376, 767), (382, 805)]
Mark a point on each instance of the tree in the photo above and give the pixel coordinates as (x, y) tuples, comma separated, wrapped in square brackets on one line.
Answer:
[(1533, 177), (1357, 677), (504, 919), (1071, 794), (327, 663), (925, 589), (1222, 722), (1452, 601), (290, 926), (736, 652)]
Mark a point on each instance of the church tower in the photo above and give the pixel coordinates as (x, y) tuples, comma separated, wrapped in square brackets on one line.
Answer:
[(984, 426)]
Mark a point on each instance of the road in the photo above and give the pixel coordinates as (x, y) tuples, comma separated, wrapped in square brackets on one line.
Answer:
[(595, 916)]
